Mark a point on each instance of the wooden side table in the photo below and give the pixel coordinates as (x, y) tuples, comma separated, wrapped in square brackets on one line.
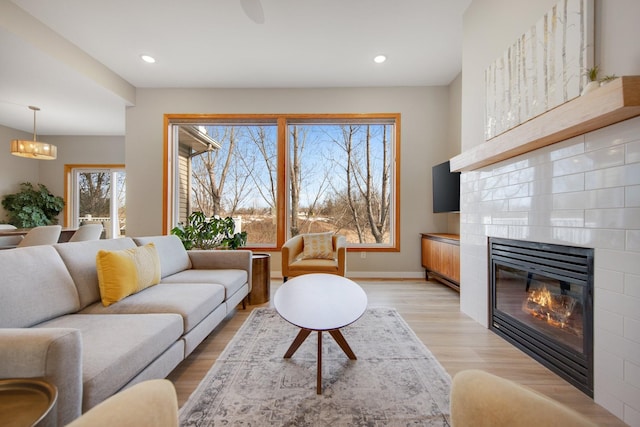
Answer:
[(27, 402), (260, 279)]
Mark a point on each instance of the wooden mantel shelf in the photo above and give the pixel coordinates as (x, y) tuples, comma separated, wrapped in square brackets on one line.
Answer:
[(612, 103)]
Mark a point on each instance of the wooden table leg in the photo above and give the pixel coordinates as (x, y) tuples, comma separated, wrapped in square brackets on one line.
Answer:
[(297, 342), (319, 379), (337, 335)]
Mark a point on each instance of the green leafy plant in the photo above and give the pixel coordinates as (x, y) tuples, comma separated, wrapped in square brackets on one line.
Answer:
[(201, 232), (592, 73), (32, 207), (608, 78)]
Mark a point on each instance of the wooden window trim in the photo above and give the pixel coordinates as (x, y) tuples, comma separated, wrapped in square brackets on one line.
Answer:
[(282, 121)]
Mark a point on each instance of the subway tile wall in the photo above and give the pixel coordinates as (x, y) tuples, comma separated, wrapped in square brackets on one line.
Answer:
[(584, 191)]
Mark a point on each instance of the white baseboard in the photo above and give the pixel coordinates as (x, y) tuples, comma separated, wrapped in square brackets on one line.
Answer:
[(375, 274)]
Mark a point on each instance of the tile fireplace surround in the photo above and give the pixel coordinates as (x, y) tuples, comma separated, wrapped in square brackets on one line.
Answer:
[(584, 191)]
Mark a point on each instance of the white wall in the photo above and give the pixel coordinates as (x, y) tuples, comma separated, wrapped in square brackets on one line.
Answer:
[(454, 137), (454, 140), (14, 170), (424, 132), (581, 192)]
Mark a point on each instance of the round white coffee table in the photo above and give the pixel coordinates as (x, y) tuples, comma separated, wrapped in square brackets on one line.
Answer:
[(320, 302)]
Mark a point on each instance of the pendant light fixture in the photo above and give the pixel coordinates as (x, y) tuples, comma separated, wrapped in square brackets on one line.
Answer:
[(33, 149)]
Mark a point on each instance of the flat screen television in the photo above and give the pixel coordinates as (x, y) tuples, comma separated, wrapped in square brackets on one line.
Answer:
[(446, 189)]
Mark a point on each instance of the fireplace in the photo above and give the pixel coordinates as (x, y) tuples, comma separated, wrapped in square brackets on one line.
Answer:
[(542, 302)]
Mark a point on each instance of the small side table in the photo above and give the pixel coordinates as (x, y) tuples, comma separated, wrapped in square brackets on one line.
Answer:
[(27, 402), (260, 279)]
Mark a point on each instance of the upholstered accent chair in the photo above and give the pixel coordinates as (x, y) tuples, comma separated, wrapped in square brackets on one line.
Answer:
[(314, 253), (87, 232), (43, 235), (481, 399), (9, 242), (149, 403)]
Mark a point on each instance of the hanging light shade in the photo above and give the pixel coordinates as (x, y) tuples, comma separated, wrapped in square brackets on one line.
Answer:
[(34, 149)]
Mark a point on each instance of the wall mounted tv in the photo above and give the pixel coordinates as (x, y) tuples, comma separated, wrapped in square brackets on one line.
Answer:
[(446, 189)]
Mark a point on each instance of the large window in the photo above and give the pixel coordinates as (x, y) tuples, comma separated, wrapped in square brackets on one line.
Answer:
[(280, 176), (96, 194)]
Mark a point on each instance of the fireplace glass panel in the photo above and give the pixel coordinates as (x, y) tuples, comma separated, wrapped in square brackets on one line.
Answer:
[(550, 306)]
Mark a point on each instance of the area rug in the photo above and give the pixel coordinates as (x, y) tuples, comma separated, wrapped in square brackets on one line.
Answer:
[(395, 381)]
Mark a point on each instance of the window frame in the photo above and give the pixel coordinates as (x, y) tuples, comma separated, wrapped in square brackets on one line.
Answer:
[(171, 121), (71, 201)]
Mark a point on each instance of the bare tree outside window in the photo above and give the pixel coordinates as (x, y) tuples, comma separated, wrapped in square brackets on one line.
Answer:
[(94, 193), (239, 179), (339, 176), (348, 178), (99, 195)]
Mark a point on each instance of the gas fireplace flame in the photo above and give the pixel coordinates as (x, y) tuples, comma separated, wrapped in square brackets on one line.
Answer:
[(541, 297), (554, 308)]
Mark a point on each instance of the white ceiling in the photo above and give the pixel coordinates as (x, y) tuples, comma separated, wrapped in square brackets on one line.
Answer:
[(84, 76)]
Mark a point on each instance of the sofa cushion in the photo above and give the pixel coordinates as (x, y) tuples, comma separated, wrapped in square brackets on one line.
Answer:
[(193, 302), (126, 272), (314, 266), (173, 256), (80, 259), (231, 279), (36, 286), (116, 347)]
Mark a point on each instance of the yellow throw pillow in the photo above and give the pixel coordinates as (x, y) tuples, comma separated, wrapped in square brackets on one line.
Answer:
[(317, 246), (125, 272)]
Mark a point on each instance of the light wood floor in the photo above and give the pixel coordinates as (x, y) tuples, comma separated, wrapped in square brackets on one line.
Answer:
[(432, 311)]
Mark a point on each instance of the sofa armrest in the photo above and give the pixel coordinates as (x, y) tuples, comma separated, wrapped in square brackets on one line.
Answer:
[(220, 259), (53, 354)]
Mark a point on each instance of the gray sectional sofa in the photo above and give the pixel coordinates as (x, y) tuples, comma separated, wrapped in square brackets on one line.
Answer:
[(54, 326)]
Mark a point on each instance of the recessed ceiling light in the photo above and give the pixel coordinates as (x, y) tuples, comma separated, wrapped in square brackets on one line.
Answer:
[(380, 59), (148, 59)]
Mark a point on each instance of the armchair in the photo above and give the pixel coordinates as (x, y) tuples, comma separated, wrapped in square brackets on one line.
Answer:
[(297, 261), (9, 242), (481, 399), (149, 403), (42, 235), (87, 232)]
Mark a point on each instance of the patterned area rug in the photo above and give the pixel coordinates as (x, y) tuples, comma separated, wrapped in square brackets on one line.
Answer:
[(396, 381)]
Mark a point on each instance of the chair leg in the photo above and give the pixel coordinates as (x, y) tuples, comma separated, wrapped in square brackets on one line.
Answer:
[(284, 279)]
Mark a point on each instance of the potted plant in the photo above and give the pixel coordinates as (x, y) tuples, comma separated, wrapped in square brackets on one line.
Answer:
[(201, 232), (592, 75), (32, 207), (606, 79)]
